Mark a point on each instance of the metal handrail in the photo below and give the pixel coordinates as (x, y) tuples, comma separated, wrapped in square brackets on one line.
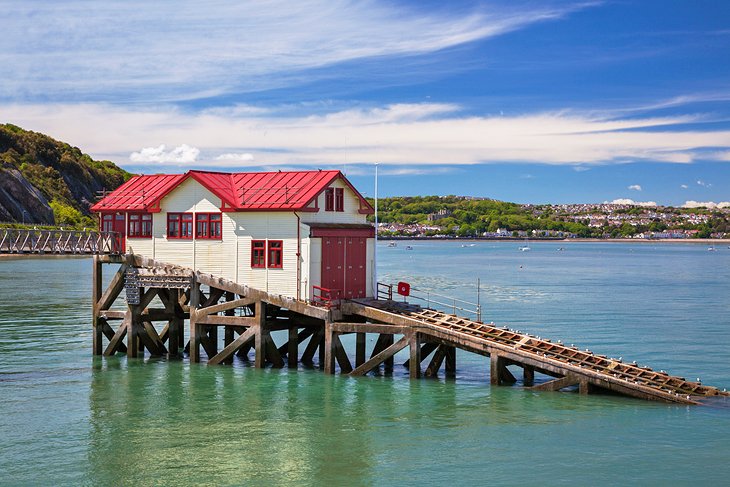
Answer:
[(329, 298), (456, 305)]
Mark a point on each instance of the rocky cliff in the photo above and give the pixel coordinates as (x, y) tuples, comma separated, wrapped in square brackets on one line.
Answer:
[(46, 181)]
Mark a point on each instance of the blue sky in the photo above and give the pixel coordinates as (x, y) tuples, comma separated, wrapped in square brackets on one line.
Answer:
[(525, 101)]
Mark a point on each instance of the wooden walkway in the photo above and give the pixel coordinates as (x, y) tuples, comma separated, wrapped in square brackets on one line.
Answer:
[(24, 241), (247, 316)]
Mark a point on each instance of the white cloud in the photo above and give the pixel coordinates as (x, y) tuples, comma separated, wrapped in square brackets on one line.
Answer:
[(132, 49), (628, 201), (183, 154), (703, 184), (635, 187), (398, 134), (706, 204), (235, 157), (684, 186)]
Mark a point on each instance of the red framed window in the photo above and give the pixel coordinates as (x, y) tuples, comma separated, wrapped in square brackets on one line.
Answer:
[(180, 225), (208, 225), (329, 199), (258, 254), (139, 225), (107, 222), (276, 251), (339, 199)]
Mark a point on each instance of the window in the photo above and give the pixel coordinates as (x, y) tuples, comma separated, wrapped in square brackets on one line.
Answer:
[(329, 199), (339, 199), (208, 225), (275, 254), (258, 253), (139, 225), (180, 225), (107, 223), (267, 254)]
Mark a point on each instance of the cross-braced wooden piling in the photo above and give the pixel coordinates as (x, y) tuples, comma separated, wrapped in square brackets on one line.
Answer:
[(161, 297)]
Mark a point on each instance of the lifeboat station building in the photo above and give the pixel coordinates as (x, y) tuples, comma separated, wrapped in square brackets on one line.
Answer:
[(291, 233)]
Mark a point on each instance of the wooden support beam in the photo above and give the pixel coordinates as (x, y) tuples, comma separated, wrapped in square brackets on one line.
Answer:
[(115, 287), (227, 306), (435, 364), (260, 346), (557, 384), (216, 320), (329, 352), (312, 346), (382, 356), (151, 340), (340, 327), (292, 350), (116, 342), (450, 366), (341, 355), (426, 350), (209, 339), (299, 337), (528, 375), (134, 324), (227, 353), (390, 361), (272, 354), (195, 329), (96, 292), (498, 371), (109, 334), (360, 343), (415, 361)]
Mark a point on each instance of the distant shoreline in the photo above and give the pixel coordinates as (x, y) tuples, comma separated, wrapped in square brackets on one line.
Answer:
[(711, 241)]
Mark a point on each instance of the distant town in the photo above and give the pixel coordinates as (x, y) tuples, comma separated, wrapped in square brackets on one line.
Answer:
[(468, 217)]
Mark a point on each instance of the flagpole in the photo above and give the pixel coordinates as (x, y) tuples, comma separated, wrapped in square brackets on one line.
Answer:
[(375, 249)]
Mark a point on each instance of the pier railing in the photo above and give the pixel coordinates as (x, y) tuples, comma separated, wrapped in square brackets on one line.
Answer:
[(24, 241), (328, 298), (434, 300)]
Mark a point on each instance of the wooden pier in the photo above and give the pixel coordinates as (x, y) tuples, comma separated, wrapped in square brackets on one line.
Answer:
[(246, 317)]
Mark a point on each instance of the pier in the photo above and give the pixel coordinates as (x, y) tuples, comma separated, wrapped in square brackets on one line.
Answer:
[(144, 308)]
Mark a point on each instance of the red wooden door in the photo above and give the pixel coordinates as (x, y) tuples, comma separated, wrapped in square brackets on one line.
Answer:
[(355, 257), (333, 263)]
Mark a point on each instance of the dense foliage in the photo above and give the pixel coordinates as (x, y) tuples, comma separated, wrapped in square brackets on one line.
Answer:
[(38, 173)]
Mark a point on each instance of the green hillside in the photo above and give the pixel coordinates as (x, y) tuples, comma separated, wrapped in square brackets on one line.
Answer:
[(45, 181)]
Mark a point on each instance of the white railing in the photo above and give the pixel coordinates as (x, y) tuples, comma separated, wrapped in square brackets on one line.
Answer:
[(23, 241), (434, 300)]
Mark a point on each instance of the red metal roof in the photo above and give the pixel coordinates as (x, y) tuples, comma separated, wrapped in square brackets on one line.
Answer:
[(282, 190)]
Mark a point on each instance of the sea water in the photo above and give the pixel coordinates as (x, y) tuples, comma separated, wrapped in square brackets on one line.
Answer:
[(67, 418)]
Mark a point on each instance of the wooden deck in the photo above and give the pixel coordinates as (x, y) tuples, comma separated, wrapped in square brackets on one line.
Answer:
[(247, 316)]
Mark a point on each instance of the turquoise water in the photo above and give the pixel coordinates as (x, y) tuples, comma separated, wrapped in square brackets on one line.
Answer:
[(67, 418)]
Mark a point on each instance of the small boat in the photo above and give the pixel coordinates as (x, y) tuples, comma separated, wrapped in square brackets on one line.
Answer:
[(711, 248), (560, 249), (408, 247), (526, 247), (392, 244)]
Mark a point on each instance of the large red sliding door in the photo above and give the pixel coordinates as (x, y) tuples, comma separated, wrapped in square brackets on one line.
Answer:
[(344, 261), (333, 264)]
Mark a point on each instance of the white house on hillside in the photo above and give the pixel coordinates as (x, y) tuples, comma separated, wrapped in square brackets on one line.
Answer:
[(283, 232)]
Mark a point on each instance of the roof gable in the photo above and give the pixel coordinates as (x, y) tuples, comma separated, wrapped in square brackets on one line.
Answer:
[(262, 191)]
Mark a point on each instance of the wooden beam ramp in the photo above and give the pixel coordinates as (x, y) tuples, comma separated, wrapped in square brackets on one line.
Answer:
[(569, 365), (146, 304)]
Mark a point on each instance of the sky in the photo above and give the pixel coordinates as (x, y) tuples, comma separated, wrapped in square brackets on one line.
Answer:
[(525, 101)]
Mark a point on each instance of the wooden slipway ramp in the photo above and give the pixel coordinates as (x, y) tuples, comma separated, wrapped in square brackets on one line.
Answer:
[(567, 364)]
